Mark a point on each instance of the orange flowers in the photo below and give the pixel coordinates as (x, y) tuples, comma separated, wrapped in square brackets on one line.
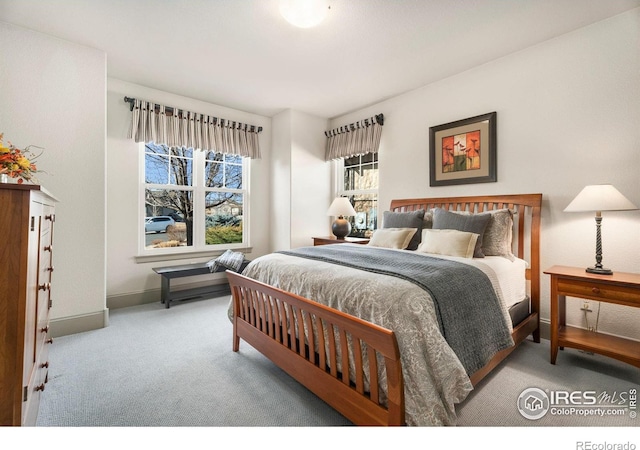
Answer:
[(17, 163)]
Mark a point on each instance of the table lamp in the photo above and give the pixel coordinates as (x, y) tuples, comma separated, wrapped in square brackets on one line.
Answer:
[(341, 207), (598, 198)]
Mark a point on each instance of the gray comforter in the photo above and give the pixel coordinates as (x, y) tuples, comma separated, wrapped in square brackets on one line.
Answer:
[(435, 378)]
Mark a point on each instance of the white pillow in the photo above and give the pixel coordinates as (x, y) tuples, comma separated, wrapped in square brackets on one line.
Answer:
[(392, 237), (448, 242)]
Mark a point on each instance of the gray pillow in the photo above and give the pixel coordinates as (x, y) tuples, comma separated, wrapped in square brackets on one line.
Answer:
[(412, 219), (499, 234), (474, 223), (228, 260), (428, 220)]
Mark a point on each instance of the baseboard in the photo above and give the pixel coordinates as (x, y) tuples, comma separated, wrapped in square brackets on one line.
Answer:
[(79, 324), (133, 299), (545, 329), (151, 295)]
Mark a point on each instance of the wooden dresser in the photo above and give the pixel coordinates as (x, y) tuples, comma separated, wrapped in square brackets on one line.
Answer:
[(27, 216)]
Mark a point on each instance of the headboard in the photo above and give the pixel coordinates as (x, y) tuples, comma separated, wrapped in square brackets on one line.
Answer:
[(526, 225)]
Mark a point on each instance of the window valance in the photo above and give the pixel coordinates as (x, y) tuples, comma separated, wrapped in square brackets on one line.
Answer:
[(358, 138), (166, 125)]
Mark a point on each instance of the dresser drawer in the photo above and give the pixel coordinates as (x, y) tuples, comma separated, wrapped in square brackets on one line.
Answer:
[(594, 290)]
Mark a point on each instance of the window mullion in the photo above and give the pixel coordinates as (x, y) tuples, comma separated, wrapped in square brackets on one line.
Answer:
[(198, 199)]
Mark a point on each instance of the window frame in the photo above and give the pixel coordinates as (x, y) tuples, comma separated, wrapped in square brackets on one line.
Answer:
[(199, 247), (340, 191)]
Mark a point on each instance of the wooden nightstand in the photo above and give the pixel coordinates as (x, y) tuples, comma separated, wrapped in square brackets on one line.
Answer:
[(334, 240), (620, 288)]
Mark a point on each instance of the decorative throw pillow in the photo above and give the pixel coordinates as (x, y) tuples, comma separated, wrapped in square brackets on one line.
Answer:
[(448, 242), (392, 237), (412, 219), (428, 219), (229, 259), (473, 223), (498, 236)]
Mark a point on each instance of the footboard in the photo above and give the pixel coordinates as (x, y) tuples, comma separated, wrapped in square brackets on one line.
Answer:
[(331, 353)]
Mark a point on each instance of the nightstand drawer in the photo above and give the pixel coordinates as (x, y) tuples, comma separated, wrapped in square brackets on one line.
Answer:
[(599, 291)]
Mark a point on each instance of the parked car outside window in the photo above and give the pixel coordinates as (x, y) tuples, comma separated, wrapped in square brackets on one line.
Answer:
[(158, 224)]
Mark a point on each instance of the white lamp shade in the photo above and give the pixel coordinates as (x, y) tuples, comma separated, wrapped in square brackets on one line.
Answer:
[(341, 207), (304, 13), (600, 197)]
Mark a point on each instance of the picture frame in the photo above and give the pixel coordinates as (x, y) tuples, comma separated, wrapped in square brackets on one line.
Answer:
[(464, 151)]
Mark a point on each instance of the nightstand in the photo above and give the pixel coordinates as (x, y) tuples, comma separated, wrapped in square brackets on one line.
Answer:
[(334, 240), (620, 288)]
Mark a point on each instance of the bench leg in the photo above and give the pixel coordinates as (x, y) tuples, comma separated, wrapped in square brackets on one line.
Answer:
[(165, 290)]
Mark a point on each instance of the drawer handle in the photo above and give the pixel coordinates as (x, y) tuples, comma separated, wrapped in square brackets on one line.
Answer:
[(50, 217), (44, 365), (48, 248), (40, 388), (45, 329), (45, 287), (49, 341), (50, 269), (595, 290)]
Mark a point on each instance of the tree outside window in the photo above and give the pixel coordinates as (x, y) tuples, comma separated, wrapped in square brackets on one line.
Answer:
[(359, 175), (202, 192)]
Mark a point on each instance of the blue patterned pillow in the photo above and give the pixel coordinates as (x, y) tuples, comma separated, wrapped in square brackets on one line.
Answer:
[(230, 260)]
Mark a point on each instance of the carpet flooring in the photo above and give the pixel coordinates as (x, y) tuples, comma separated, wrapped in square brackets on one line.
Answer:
[(157, 367)]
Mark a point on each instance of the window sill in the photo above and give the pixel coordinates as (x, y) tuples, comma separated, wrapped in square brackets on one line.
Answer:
[(141, 259)]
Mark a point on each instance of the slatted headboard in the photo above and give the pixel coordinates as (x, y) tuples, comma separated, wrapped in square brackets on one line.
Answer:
[(526, 225)]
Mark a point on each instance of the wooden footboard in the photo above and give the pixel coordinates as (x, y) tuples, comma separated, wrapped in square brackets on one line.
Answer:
[(334, 355)]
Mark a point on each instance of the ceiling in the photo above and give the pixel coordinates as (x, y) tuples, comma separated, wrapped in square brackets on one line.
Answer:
[(242, 54)]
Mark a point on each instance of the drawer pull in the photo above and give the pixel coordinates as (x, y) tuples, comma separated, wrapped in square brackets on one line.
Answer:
[(45, 287), (50, 269), (45, 329), (44, 365), (40, 388), (49, 341), (50, 217), (48, 248), (595, 290)]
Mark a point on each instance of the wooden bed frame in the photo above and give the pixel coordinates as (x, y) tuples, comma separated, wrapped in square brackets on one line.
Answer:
[(272, 321)]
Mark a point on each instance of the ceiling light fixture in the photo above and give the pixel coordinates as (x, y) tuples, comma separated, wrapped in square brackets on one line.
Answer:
[(304, 13)]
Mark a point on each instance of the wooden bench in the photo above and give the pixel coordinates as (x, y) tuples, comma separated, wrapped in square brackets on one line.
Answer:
[(168, 273)]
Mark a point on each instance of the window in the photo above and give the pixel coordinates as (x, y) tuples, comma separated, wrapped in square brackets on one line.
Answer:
[(193, 200), (358, 180)]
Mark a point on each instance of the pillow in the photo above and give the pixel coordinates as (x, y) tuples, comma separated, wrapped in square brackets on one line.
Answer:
[(412, 219), (392, 237), (498, 235), (448, 242), (230, 260), (473, 223), (428, 219)]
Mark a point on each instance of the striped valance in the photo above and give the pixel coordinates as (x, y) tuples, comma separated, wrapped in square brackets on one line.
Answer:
[(166, 125), (358, 138)]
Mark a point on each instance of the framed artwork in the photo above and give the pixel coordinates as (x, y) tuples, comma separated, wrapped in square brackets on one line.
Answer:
[(463, 152)]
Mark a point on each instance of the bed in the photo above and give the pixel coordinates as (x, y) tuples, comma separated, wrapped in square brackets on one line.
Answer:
[(390, 336)]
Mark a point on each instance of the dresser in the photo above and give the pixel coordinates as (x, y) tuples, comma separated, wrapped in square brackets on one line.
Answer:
[(27, 216)]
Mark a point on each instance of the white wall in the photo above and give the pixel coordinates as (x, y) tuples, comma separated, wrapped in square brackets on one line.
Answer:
[(52, 94), (568, 115), (301, 180), (127, 276)]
